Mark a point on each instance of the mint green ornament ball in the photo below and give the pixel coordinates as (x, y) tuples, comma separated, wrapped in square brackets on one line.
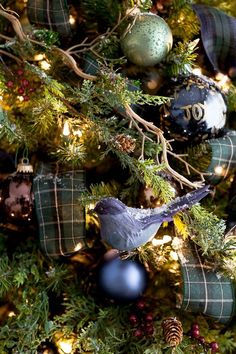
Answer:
[(147, 40)]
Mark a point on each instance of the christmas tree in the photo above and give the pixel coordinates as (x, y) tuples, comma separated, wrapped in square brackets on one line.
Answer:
[(117, 176)]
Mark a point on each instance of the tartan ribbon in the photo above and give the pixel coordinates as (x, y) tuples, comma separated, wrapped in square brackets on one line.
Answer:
[(90, 64), (223, 157), (60, 216), (204, 289), (218, 33), (53, 14)]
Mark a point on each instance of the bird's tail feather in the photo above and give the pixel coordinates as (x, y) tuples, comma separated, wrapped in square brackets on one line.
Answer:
[(184, 202)]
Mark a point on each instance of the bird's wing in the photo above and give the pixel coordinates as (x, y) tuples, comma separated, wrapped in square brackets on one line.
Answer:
[(139, 214), (175, 206)]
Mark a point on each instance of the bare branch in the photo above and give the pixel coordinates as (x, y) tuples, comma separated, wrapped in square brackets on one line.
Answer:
[(70, 61), (157, 131), (15, 23), (4, 52), (189, 166)]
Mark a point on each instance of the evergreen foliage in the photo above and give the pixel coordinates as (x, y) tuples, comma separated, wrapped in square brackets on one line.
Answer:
[(45, 300)]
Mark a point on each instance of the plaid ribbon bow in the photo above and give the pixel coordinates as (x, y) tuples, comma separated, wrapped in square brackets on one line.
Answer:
[(218, 33), (223, 158), (53, 14), (59, 213), (204, 290)]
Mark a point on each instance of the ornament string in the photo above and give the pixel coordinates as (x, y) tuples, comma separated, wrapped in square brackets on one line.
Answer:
[(135, 118)]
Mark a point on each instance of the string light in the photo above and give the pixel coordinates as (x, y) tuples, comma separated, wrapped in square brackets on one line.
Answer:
[(197, 71), (78, 247), (219, 170), (65, 346), (78, 132), (162, 241), (72, 20), (45, 65), (39, 57), (66, 129), (11, 314), (174, 255), (223, 81), (20, 98)]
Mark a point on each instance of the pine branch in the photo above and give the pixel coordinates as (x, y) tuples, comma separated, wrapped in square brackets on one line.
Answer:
[(181, 58), (182, 17), (207, 231)]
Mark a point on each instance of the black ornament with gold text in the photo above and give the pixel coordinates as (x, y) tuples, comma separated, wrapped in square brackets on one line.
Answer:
[(196, 112)]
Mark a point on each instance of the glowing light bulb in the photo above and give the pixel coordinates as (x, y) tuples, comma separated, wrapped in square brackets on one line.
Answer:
[(78, 247), (174, 255), (20, 98), (45, 65), (219, 170), (39, 57), (166, 238), (66, 129), (223, 81), (65, 346), (11, 314), (162, 241), (77, 132), (72, 20), (197, 71)]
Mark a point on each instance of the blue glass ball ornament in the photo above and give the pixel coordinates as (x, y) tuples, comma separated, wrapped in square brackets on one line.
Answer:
[(122, 280), (146, 40)]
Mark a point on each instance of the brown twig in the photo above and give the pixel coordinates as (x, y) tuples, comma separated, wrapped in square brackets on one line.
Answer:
[(157, 131), (15, 23), (189, 166), (12, 56), (96, 40), (6, 37), (70, 61)]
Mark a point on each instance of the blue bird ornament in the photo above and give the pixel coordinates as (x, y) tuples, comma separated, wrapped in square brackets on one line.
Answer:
[(126, 228)]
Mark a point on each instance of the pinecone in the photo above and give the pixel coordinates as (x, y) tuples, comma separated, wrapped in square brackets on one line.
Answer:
[(172, 331), (124, 143)]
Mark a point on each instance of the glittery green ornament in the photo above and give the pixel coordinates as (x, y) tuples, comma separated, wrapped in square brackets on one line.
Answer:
[(147, 40)]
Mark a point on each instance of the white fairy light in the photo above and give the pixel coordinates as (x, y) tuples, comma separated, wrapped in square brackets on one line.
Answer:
[(45, 65), (66, 129), (72, 20), (162, 241), (219, 170)]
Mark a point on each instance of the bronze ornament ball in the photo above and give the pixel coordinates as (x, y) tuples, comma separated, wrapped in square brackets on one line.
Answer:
[(147, 40)]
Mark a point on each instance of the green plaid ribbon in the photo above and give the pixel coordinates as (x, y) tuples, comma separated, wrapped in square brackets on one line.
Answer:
[(204, 289), (223, 158), (218, 33), (60, 216), (90, 64), (53, 14)]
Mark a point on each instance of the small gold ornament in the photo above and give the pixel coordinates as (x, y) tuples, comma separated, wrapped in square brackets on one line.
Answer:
[(172, 331)]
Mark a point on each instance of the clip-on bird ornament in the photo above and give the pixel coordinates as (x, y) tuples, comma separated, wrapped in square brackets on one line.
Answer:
[(126, 228)]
